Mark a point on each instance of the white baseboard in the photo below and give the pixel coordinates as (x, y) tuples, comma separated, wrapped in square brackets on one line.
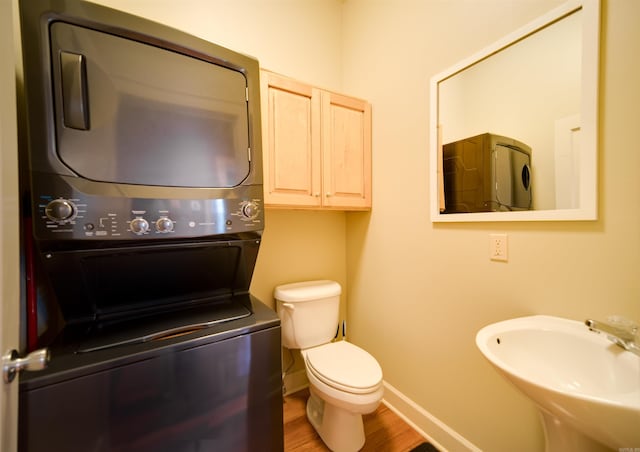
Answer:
[(435, 431)]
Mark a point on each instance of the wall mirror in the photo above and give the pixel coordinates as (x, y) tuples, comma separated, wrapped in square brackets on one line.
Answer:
[(514, 127)]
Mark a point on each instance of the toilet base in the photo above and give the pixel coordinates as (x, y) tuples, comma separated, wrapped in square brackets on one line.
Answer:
[(339, 429)]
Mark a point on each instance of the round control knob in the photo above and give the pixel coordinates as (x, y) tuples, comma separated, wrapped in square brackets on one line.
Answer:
[(164, 224), (60, 210), (139, 226), (250, 210)]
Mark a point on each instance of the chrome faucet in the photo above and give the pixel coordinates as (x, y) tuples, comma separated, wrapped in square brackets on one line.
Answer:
[(620, 331)]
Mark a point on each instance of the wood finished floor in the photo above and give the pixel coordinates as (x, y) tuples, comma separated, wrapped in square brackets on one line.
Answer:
[(384, 430)]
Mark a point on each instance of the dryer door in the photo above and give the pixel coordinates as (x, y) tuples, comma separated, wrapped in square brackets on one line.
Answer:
[(512, 178), (131, 113)]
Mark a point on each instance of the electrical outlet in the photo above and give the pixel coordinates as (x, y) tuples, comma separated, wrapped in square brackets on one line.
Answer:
[(498, 249)]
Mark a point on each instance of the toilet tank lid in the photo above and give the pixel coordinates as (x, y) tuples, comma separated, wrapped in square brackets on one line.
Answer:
[(307, 290)]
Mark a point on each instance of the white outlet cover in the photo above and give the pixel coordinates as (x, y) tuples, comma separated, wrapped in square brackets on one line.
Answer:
[(498, 247)]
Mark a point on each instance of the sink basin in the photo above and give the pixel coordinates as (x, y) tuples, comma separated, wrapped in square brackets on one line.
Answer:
[(586, 388)]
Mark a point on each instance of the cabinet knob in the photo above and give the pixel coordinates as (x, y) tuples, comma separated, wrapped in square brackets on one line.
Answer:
[(328, 195)]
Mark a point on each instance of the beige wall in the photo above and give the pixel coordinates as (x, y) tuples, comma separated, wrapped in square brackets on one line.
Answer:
[(299, 38), (418, 292)]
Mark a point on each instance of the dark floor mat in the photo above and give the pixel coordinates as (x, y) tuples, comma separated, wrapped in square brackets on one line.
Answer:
[(424, 447)]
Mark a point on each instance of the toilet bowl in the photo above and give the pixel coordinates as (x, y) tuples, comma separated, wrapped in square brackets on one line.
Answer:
[(345, 381), (341, 392)]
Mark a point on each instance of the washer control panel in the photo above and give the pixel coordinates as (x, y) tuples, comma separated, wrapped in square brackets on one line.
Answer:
[(64, 213)]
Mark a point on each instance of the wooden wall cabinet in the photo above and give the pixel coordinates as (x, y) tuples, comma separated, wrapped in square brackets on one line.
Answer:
[(316, 147)]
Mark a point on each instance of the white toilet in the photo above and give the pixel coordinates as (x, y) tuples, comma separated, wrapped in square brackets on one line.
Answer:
[(345, 381)]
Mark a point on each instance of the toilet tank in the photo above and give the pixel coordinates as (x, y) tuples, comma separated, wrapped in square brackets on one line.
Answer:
[(308, 312)]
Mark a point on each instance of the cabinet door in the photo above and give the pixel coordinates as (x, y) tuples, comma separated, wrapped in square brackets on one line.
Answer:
[(291, 131), (346, 152)]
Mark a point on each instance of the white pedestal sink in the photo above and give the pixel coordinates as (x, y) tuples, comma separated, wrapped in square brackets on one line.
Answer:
[(586, 387)]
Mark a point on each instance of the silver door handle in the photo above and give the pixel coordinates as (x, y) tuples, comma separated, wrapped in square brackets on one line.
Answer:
[(12, 364)]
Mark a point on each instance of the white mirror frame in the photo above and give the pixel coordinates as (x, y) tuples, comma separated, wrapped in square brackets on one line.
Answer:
[(589, 120)]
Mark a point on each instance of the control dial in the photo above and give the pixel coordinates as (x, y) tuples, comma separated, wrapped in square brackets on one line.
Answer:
[(164, 224), (250, 210), (60, 210), (139, 226)]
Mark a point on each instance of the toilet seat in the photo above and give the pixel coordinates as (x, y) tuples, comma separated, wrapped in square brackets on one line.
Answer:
[(344, 366)]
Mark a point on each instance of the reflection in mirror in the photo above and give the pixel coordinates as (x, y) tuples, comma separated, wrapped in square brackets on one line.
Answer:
[(514, 128)]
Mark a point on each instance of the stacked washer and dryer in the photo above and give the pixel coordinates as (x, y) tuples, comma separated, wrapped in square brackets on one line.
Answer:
[(141, 179)]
